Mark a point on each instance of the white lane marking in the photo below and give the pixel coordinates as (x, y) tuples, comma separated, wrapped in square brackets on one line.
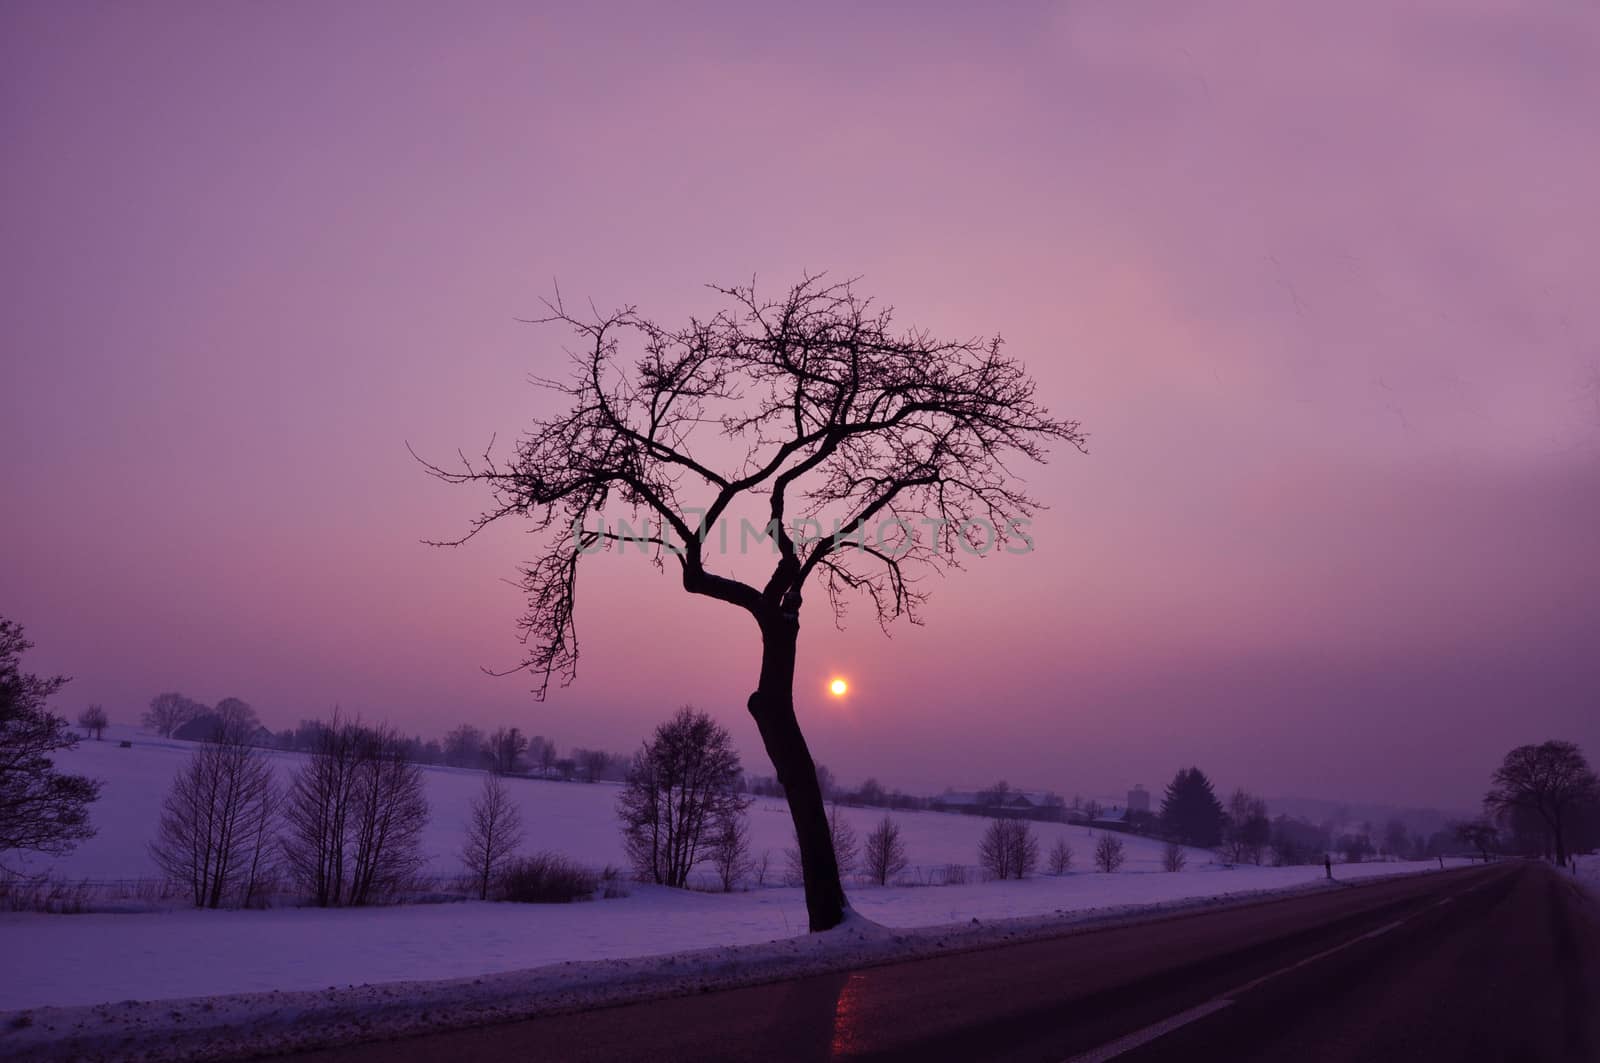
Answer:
[(1324, 954), (1113, 1049), (1139, 1038)]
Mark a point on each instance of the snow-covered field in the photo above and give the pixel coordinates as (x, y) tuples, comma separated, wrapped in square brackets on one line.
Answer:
[(100, 957), (575, 819)]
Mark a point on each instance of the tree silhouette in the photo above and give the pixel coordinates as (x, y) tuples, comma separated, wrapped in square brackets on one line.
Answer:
[(1552, 780), (843, 420), (41, 809), (1190, 811)]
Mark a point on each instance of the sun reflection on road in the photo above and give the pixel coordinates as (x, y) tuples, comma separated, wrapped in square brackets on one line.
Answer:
[(849, 1013)]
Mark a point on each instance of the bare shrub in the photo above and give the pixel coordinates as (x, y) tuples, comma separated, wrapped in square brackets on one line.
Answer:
[(1060, 857), (1109, 853), (730, 850), (845, 850), (547, 878), (1173, 857), (884, 855), (1009, 849), (954, 875), (612, 884), (41, 893), (219, 823), (494, 831)]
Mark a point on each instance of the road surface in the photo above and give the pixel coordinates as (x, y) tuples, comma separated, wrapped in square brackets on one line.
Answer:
[(1486, 964)]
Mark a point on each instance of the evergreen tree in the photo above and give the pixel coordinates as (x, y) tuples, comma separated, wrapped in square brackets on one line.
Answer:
[(1190, 811), (41, 809)]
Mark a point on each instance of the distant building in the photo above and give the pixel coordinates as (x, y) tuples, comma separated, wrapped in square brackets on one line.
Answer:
[(1138, 799), (1011, 804)]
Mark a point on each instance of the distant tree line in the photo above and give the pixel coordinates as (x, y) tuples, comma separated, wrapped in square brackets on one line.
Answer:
[(504, 751)]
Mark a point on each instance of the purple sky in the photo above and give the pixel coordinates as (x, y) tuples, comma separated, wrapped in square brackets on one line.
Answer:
[(1320, 286)]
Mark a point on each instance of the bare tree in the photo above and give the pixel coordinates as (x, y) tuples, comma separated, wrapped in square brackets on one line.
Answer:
[(219, 822), (544, 753), (464, 747), (168, 712), (884, 855), (1008, 849), (1552, 780), (93, 721), (506, 748), (1173, 857), (1396, 839), (494, 832), (1355, 847), (843, 838), (994, 849), (846, 850), (1479, 833), (843, 420), (391, 813), (238, 716), (681, 787), (355, 815), (1108, 852), (730, 849), (41, 809), (1060, 857), (594, 761), (995, 796), (1247, 830)]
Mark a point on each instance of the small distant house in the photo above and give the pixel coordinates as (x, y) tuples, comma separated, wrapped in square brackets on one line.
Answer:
[(202, 728)]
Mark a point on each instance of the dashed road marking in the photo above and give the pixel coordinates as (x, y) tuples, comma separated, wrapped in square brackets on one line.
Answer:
[(1140, 1038)]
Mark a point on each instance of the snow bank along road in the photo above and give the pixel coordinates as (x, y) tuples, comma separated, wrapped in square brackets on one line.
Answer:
[(1497, 963)]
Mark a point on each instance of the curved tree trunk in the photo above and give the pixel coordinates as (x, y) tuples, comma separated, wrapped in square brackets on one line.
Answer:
[(772, 706)]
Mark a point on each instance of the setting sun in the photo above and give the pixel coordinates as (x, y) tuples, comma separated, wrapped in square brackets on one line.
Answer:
[(838, 687)]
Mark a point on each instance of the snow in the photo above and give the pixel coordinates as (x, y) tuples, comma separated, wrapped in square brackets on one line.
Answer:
[(1588, 872), (89, 959), (260, 1023), (575, 819)]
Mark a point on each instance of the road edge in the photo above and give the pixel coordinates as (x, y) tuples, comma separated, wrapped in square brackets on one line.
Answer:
[(255, 1024)]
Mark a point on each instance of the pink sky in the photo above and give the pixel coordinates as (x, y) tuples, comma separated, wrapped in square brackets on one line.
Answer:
[(1320, 286)]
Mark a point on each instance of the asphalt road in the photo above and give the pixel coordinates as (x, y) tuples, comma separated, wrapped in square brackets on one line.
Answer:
[(1497, 963)]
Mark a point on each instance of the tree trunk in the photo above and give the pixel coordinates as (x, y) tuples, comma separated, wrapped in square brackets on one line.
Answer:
[(772, 706)]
